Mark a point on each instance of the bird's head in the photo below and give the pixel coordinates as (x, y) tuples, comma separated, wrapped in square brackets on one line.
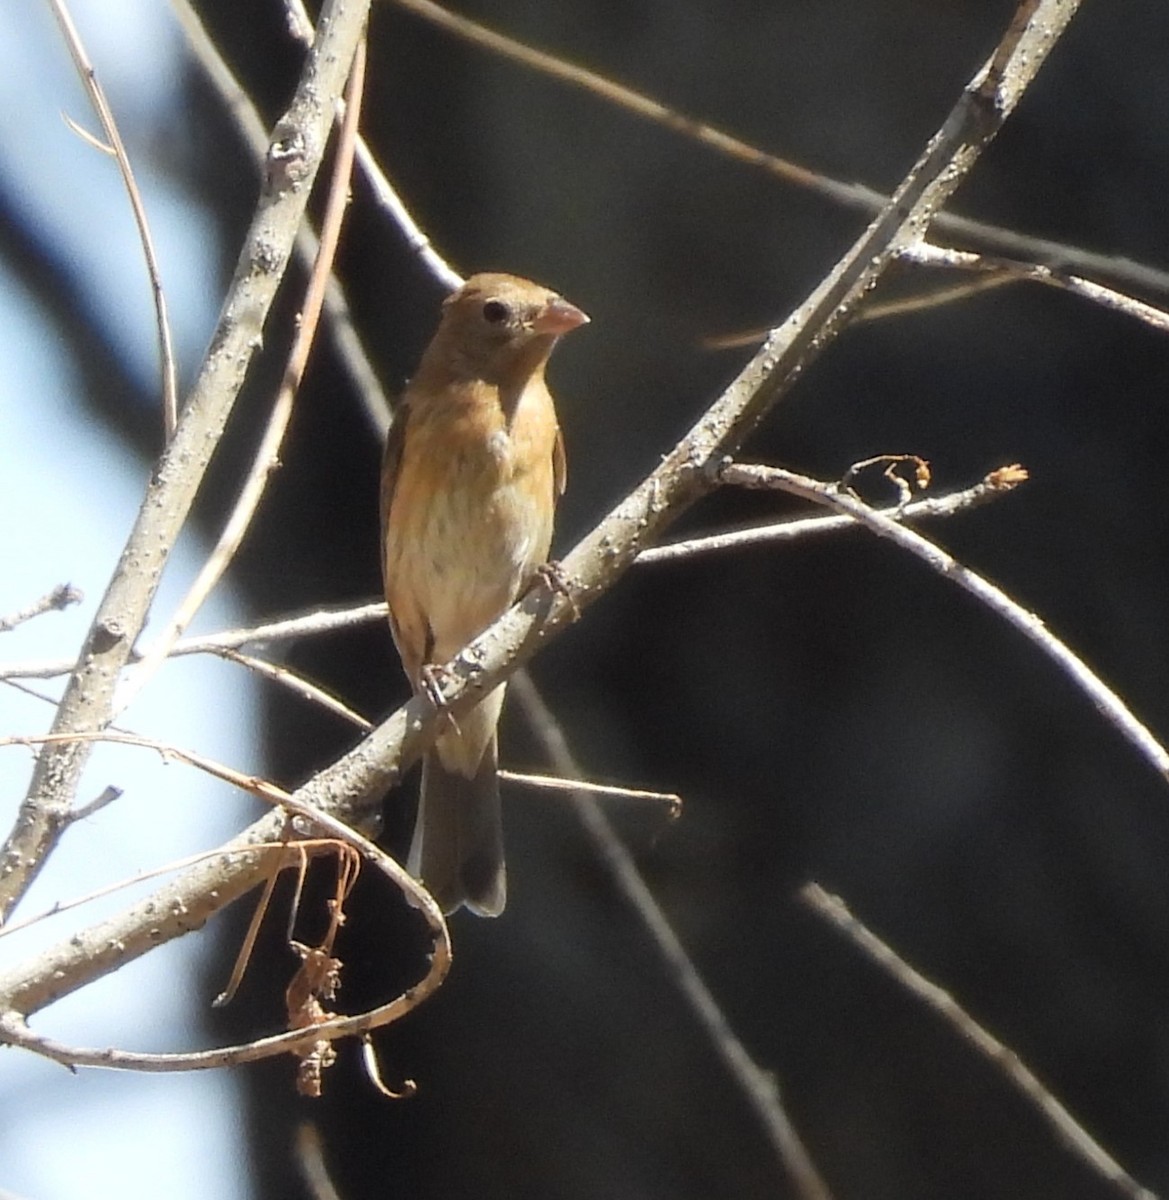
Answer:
[(496, 326)]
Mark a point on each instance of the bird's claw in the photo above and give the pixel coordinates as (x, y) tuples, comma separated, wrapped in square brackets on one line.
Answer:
[(431, 680), (557, 580)]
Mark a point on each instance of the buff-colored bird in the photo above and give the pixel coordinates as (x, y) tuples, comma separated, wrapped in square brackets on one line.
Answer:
[(473, 468)]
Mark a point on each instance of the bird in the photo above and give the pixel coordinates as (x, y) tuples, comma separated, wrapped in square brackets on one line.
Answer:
[(474, 466)]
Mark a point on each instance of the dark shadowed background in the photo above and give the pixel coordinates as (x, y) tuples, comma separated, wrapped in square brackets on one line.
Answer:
[(828, 710)]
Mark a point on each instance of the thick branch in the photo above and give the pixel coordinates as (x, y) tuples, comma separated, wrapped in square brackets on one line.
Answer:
[(294, 157)]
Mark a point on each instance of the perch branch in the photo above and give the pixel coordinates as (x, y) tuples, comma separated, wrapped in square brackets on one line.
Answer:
[(320, 621), (348, 786)]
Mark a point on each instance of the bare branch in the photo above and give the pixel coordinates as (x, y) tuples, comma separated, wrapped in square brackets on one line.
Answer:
[(293, 161), (103, 799), (998, 483), (253, 134), (105, 114), (554, 783), (267, 456), (1069, 1131), (1007, 271), (758, 1086), (386, 194), (295, 682), (323, 620), (856, 196), (1105, 700), (57, 600)]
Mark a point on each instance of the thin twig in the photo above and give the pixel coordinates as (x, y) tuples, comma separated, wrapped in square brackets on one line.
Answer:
[(998, 483), (854, 196), (103, 799), (1069, 1131), (575, 787), (255, 784), (1106, 701), (253, 134), (318, 621), (759, 1086), (394, 206), (877, 310), (384, 191), (57, 600), (105, 114), (267, 456), (295, 682), (321, 621), (1008, 271), (295, 156)]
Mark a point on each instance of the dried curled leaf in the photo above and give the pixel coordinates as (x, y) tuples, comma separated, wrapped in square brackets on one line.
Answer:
[(317, 978)]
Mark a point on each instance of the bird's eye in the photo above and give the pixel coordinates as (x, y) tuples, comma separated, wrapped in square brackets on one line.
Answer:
[(495, 312)]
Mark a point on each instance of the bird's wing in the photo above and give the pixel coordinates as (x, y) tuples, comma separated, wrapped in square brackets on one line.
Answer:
[(559, 465), (391, 461)]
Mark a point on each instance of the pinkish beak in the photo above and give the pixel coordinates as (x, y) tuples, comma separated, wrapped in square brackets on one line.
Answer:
[(558, 316)]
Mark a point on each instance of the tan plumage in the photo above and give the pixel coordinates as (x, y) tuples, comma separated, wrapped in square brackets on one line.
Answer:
[(473, 468)]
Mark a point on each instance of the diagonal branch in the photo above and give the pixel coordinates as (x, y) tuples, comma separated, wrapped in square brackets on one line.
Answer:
[(267, 456), (757, 1085), (855, 196), (294, 157), (1074, 1136), (1107, 703), (690, 471)]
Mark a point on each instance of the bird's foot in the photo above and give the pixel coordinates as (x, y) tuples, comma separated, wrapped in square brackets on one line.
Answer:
[(432, 678), (556, 579)]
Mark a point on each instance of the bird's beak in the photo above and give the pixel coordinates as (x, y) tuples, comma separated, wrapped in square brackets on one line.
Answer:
[(558, 316)]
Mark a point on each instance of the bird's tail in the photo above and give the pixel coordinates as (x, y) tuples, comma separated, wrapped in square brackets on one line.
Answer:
[(457, 850)]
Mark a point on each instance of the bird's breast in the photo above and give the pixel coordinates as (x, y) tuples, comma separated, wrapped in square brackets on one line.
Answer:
[(471, 517)]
